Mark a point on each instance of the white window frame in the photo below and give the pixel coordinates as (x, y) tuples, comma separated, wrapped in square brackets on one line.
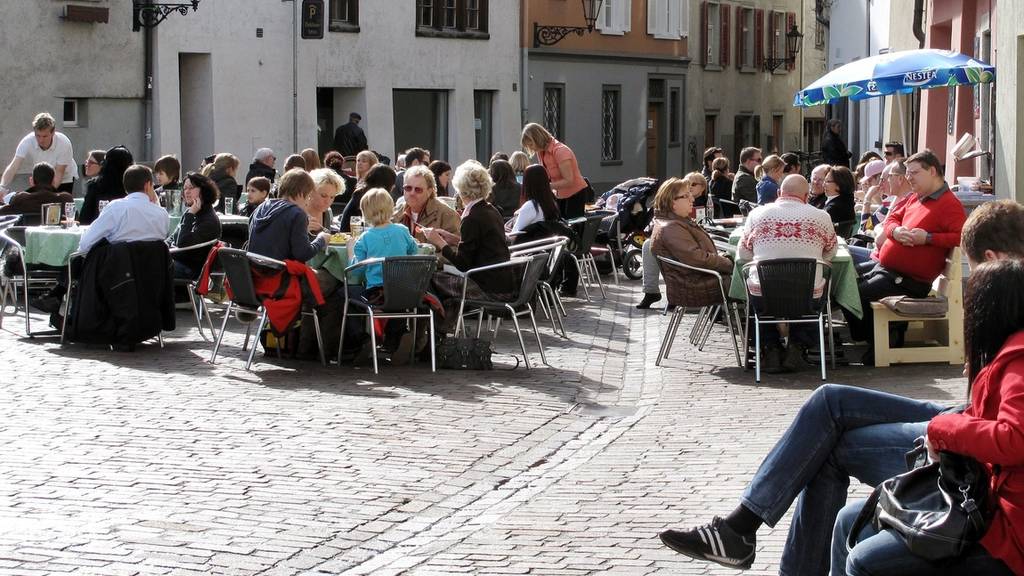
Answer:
[(668, 19), (779, 41), (615, 16), (77, 112), (748, 27), (714, 32)]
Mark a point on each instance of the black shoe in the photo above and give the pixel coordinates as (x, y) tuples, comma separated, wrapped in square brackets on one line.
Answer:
[(793, 359), (714, 542), (48, 304), (648, 300), (565, 293)]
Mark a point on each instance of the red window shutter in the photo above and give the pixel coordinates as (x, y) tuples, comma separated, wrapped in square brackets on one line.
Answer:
[(790, 22), (726, 19), (740, 39), (758, 38), (704, 40)]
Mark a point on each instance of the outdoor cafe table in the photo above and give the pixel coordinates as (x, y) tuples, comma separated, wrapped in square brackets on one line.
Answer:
[(844, 277), (175, 221), (51, 245), (338, 256)]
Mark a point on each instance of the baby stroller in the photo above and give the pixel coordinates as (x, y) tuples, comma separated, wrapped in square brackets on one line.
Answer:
[(631, 208)]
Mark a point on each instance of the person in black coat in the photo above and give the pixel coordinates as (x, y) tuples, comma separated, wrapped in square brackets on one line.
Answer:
[(839, 187), (108, 185), (199, 224), (379, 176), (222, 172), (349, 139), (262, 165), (833, 149)]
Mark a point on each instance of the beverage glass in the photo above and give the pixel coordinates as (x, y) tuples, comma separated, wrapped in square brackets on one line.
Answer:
[(69, 214), (355, 225), (229, 205), (103, 204)]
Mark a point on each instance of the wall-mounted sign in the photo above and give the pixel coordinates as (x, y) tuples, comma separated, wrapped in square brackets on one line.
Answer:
[(312, 19)]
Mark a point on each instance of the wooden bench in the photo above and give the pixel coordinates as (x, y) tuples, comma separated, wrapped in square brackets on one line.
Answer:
[(929, 338)]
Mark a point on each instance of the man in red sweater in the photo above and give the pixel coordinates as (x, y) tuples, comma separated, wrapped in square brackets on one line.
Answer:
[(919, 235)]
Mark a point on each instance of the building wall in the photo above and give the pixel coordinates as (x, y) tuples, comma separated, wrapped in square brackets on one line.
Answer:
[(48, 59), (864, 32), (253, 77), (1008, 31), (954, 25), (585, 65), (728, 91)]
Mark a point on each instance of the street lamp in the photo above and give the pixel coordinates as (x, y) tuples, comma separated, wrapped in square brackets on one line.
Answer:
[(147, 14), (551, 35), (793, 38)]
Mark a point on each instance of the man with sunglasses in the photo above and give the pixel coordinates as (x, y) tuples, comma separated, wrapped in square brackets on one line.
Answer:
[(894, 151), (744, 186)]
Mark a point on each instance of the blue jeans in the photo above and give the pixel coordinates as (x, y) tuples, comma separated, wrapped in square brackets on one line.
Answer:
[(885, 553), (840, 432), (861, 257)]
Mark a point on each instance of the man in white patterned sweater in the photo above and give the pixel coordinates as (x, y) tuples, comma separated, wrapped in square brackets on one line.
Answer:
[(787, 228)]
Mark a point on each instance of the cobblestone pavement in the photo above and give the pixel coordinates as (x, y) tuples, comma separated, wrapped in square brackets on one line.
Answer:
[(156, 462)]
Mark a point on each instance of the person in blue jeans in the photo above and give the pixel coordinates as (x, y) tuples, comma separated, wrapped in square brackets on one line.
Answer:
[(841, 432)]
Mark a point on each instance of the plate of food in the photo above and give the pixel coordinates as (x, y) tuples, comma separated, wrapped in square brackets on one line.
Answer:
[(340, 238)]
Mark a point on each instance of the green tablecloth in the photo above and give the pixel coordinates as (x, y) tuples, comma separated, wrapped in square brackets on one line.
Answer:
[(335, 260), (51, 246), (844, 278)]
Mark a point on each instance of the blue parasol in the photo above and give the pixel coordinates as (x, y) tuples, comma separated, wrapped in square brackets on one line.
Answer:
[(896, 73)]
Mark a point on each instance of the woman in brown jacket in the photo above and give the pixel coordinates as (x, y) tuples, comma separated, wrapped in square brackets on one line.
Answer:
[(678, 237)]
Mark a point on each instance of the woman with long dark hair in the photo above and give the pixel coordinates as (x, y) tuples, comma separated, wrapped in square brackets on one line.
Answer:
[(108, 185), (990, 430), (539, 201), (506, 192)]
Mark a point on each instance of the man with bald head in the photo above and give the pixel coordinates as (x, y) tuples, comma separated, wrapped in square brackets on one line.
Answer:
[(787, 228)]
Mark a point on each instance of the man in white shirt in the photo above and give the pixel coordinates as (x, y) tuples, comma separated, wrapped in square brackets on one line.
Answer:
[(44, 144), (136, 217)]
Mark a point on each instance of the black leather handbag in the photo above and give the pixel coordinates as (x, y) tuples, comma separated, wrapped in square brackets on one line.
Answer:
[(464, 354), (939, 509)]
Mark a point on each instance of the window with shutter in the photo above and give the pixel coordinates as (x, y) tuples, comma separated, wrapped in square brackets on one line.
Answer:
[(790, 23), (726, 12), (614, 17), (758, 38)]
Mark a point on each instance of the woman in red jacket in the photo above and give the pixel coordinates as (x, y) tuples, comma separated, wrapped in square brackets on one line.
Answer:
[(990, 430)]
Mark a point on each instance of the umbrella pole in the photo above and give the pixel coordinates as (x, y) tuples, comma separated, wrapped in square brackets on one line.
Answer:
[(903, 122)]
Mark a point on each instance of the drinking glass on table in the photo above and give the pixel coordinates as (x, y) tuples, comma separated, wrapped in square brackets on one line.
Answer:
[(103, 204), (229, 205), (69, 214), (355, 225)]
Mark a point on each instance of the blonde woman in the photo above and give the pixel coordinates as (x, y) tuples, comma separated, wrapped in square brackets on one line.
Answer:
[(422, 210), (481, 241), (318, 205), (563, 170), (768, 187), (519, 162), (222, 172), (364, 161)]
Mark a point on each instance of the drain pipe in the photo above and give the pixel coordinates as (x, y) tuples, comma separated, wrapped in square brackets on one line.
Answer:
[(919, 22), (295, 79), (147, 93)]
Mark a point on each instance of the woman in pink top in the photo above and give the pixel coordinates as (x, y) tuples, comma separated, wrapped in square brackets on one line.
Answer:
[(563, 170)]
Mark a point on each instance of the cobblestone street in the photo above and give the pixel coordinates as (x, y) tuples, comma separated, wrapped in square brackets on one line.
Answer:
[(156, 462)]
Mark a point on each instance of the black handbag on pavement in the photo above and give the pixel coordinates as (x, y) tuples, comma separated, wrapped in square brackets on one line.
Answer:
[(464, 354), (939, 509)]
